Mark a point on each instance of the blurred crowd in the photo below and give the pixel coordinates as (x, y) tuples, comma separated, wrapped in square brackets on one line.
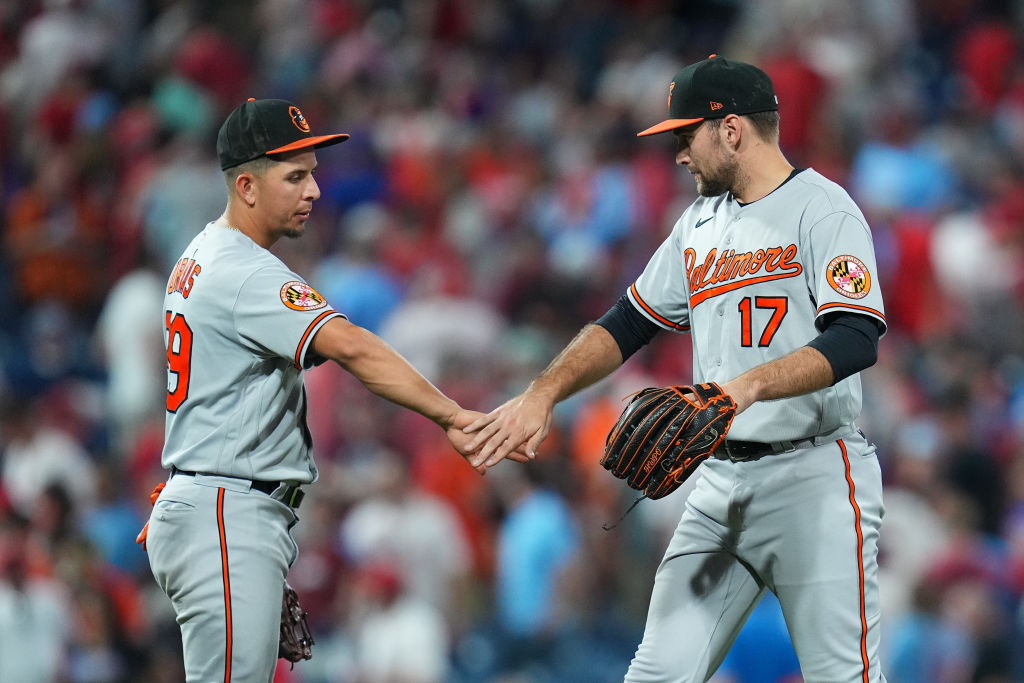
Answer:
[(493, 198)]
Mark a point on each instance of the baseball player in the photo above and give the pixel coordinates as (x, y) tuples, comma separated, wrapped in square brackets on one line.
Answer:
[(240, 328), (772, 271)]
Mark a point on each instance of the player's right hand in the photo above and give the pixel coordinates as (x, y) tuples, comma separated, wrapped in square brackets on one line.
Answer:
[(517, 427), (460, 439)]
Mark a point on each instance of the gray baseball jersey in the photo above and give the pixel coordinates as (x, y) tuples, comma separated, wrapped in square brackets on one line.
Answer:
[(237, 325), (752, 284), (238, 328)]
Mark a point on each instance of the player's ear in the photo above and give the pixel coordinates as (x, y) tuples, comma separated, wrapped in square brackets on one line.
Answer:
[(245, 188), (731, 130)]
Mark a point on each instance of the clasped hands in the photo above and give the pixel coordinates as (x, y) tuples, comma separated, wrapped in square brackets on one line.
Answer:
[(513, 430)]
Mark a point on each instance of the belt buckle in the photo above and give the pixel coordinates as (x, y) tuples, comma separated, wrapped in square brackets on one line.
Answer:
[(734, 457)]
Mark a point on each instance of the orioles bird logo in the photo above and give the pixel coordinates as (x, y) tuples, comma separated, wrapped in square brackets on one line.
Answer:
[(671, 87), (298, 119)]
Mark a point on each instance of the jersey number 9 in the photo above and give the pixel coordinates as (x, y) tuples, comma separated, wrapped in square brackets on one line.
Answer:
[(179, 359)]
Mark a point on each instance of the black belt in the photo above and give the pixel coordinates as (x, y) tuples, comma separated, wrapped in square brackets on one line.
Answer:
[(743, 451), (292, 494)]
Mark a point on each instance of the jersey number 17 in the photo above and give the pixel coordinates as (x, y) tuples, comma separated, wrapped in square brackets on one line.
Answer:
[(778, 305)]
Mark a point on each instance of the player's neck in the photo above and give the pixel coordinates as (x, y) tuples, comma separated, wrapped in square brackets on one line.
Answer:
[(762, 175), (243, 223)]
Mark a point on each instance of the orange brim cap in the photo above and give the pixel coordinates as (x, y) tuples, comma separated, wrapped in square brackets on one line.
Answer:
[(667, 125), (259, 127), (315, 141)]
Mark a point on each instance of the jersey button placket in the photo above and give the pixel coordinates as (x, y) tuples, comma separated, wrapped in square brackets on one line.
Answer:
[(721, 327), (721, 306)]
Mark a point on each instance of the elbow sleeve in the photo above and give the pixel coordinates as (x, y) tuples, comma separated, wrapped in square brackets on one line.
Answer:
[(628, 327), (849, 343)]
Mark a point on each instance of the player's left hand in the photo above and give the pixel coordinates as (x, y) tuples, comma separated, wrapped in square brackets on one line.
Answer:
[(742, 393)]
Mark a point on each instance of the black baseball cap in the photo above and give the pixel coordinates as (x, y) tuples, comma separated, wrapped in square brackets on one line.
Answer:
[(260, 127), (714, 88)]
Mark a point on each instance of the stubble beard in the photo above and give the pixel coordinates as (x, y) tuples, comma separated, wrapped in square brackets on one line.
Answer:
[(291, 232), (722, 181)]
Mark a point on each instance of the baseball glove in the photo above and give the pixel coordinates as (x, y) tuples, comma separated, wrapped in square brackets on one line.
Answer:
[(296, 640), (665, 433)]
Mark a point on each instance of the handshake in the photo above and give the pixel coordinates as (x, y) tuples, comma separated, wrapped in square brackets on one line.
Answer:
[(661, 437), (514, 430)]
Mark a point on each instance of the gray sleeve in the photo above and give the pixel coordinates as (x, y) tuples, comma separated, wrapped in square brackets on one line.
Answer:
[(843, 270), (660, 291), (278, 314)]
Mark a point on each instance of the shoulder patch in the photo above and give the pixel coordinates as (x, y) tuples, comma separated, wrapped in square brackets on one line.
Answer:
[(849, 276), (301, 297)]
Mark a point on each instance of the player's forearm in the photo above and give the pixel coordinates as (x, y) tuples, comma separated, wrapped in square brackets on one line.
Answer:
[(384, 371), (391, 377), (591, 356), (801, 372)]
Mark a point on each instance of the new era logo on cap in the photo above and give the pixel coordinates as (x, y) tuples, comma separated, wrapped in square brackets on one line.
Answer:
[(260, 127), (715, 88)]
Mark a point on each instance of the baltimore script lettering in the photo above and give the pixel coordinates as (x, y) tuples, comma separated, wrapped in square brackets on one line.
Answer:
[(720, 273)]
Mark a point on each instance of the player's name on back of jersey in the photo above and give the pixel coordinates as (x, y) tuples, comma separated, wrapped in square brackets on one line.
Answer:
[(183, 276)]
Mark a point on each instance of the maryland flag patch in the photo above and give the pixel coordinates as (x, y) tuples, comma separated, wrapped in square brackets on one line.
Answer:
[(849, 276), (299, 296)]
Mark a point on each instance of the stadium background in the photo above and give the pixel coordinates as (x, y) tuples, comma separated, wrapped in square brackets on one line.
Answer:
[(492, 199)]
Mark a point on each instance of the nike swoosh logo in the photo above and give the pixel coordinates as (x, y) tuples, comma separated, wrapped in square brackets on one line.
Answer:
[(700, 223)]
